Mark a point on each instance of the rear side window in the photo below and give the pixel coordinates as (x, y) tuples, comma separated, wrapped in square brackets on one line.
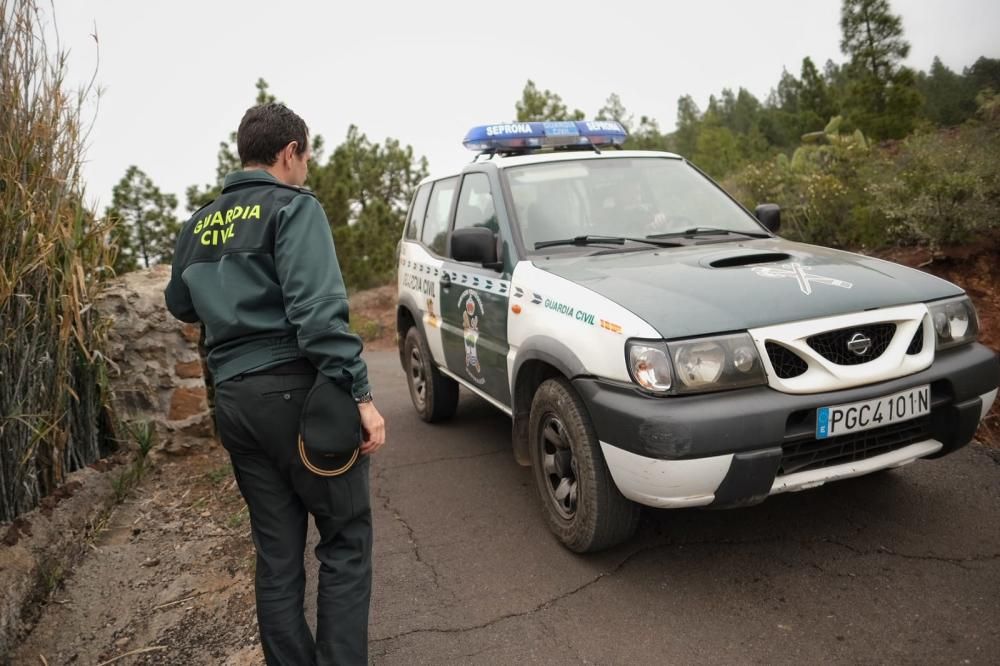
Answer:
[(417, 211), (435, 231)]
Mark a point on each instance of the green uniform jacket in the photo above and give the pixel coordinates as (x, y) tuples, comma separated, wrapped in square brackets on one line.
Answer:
[(258, 268)]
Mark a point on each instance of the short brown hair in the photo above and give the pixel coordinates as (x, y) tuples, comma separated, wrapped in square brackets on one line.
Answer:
[(265, 130)]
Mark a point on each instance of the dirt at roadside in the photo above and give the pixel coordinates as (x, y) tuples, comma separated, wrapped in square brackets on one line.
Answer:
[(373, 317), (169, 579)]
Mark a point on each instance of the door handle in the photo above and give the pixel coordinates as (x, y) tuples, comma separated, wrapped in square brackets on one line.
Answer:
[(445, 280)]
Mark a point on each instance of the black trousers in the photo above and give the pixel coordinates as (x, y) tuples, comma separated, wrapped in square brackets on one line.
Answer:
[(257, 417)]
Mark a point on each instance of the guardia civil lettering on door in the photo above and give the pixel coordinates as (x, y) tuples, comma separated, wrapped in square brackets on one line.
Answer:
[(474, 300)]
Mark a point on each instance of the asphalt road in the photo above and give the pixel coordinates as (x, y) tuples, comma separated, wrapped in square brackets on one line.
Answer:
[(900, 567)]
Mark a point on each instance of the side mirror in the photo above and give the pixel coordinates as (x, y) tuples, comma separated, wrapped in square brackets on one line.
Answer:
[(769, 215), (476, 245)]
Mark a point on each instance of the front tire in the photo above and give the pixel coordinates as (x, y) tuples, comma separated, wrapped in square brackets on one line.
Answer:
[(434, 396), (583, 506)]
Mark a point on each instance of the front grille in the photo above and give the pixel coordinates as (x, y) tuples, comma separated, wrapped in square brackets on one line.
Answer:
[(917, 343), (808, 454), (787, 364), (832, 345)]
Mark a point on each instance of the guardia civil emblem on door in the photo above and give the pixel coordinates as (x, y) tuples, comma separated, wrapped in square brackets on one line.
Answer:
[(472, 310)]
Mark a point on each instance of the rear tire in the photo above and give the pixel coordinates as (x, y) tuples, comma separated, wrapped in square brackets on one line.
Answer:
[(583, 506), (434, 396)]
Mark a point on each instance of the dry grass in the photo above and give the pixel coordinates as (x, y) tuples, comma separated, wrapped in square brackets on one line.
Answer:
[(53, 258)]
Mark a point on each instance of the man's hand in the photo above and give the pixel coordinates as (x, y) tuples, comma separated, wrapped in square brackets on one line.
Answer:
[(374, 427)]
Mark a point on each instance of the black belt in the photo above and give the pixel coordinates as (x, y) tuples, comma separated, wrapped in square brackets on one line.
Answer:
[(300, 366)]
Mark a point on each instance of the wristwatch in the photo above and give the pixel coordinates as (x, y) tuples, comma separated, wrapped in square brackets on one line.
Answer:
[(364, 397)]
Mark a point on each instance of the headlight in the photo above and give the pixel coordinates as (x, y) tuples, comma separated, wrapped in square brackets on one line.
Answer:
[(648, 365), (716, 363), (695, 366), (700, 363), (955, 321)]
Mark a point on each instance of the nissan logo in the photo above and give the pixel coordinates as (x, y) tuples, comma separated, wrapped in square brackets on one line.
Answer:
[(860, 344)]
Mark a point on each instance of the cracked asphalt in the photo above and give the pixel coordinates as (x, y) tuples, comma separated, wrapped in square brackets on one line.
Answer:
[(902, 566)]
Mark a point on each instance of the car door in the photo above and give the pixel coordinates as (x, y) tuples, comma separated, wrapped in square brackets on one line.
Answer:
[(474, 301), (422, 257)]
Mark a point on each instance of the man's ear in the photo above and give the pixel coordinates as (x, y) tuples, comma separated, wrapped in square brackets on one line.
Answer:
[(290, 150)]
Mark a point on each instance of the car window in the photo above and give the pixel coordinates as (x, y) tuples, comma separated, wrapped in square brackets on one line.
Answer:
[(417, 211), (475, 204), (618, 197), (435, 232)]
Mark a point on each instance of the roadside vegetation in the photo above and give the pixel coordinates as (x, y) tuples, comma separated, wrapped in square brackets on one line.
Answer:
[(54, 257), (936, 187)]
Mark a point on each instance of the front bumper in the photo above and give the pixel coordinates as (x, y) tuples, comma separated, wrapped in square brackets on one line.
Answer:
[(735, 448)]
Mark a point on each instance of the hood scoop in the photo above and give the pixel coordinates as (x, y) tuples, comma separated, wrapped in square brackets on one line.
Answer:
[(748, 259)]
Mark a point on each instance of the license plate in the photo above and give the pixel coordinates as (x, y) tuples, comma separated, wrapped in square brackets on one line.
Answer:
[(868, 414)]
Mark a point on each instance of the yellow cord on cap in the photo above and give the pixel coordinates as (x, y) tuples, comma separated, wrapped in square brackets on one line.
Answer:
[(322, 472)]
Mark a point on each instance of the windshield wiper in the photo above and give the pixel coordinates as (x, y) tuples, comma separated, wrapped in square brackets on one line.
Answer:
[(601, 240), (707, 231)]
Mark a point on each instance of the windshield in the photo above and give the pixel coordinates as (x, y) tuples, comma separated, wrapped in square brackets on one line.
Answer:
[(637, 197)]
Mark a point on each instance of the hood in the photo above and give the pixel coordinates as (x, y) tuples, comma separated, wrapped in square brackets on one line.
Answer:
[(720, 287)]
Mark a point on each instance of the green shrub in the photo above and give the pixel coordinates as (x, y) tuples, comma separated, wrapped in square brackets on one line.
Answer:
[(367, 329), (935, 187), (943, 187), (821, 189)]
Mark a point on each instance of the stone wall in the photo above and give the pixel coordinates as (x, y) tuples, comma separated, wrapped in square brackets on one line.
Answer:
[(158, 375)]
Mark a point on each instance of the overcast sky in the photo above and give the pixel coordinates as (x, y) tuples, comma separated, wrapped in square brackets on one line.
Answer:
[(177, 76)]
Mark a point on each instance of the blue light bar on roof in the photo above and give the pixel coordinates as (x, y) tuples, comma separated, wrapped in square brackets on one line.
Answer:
[(524, 136)]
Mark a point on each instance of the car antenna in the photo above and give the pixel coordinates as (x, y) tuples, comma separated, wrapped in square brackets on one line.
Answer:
[(592, 144)]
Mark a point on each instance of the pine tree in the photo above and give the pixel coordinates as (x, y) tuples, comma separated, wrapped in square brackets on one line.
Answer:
[(613, 109), (949, 98), (882, 97), (145, 225), (717, 150), (815, 97), (360, 173), (984, 73), (365, 189), (647, 136), (688, 125), (543, 105)]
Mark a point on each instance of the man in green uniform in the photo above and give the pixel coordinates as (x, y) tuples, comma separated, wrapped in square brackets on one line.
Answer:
[(257, 268)]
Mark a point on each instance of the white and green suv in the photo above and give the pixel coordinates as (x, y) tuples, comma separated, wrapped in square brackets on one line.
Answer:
[(656, 343)]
